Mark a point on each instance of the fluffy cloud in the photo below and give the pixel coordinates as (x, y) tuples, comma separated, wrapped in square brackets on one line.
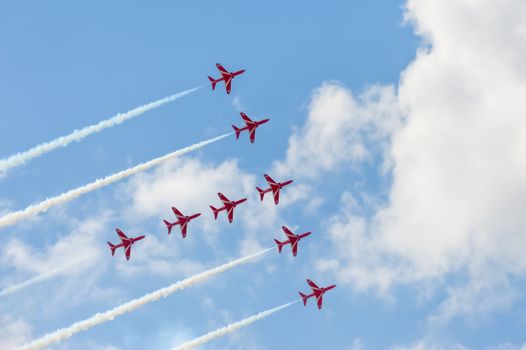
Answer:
[(25, 258), (430, 345), (192, 185), (427, 345), (339, 129), (458, 169), (508, 346), (57, 261), (13, 332)]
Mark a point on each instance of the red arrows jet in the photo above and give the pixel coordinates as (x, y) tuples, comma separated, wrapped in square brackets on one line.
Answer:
[(228, 205), (226, 76), (127, 242), (292, 239), (251, 126), (182, 220), (275, 187), (316, 292)]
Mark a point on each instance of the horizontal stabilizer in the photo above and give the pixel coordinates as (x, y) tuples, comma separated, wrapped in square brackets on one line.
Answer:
[(304, 298), (237, 130), (261, 193), (215, 211), (169, 226), (279, 244), (213, 81), (112, 247)]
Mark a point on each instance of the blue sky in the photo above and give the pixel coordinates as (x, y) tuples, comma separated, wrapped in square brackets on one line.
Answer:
[(355, 119)]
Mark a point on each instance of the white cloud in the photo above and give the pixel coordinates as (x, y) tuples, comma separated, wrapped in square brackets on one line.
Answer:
[(192, 185), (339, 128), (509, 346), (429, 345), (154, 256), (357, 344), (458, 161), (80, 245), (75, 285), (13, 332)]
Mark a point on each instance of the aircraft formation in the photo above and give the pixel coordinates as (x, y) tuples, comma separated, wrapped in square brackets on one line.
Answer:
[(229, 205)]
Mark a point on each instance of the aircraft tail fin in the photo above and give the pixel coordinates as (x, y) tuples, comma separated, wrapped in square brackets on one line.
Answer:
[(279, 244), (261, 193), (237, 130), (215, 211), (213, 81), (169, 226), (112, 247), (304, 298)]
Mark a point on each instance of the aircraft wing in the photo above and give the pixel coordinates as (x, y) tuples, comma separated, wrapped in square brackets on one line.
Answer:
[(276, 195), (231, 214), (246, 118), (313, 285), (228, 82), (292, 235), (122, 236), (252, 134), (177, 213), (221, 68), (223, 198), (270, 180), (127, 250), (183, 228), (319, 299), (294, 246)]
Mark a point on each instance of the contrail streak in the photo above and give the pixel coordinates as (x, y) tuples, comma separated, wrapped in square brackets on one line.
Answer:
[(45, 276), (230, 328), (34, 209), (109, 315), (77, 135)]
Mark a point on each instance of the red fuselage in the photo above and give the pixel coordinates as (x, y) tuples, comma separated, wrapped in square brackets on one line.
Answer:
[(277, 187), (317, 292), (253, 126), (229, 75), (292, 240), (228, 205), (129, 242)]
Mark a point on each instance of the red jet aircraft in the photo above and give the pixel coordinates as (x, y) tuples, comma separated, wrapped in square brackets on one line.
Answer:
[(292, 239), (251, 126), (228, 205), (316, 292), (226, 76), (127, 242), (275, 187), (182, 220)]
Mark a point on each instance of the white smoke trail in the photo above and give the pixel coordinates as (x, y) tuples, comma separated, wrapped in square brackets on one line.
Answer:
[(109, 315), (45, 276), (31, 210), (79, 134), (230, 328)]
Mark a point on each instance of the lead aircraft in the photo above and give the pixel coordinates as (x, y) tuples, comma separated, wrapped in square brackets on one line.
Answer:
[(226, 76), (126, 243), (316, 292), (251, 126), (228, 205), (292, 240), (275, 187), (182, 220)]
